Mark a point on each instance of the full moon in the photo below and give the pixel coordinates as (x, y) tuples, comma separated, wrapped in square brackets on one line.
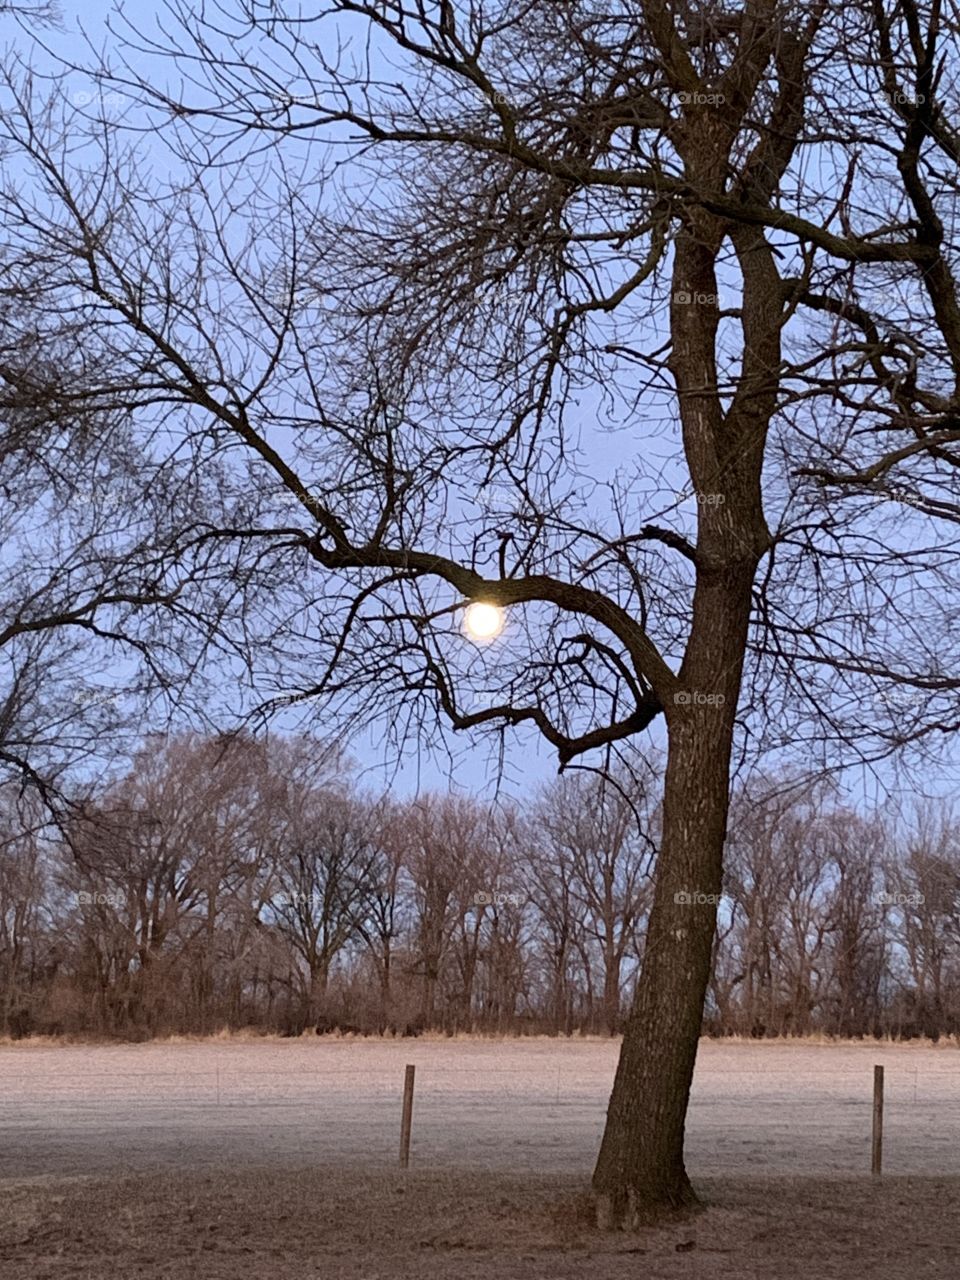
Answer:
[(483, 621)]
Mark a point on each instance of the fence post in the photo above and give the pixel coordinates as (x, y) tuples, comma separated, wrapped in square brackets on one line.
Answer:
[(876, 1164), (407, 1117)]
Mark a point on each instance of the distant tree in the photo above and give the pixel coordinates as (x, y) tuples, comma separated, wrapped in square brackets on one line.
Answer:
[(159, 870), (324, 869), (558, 928), (380, 917), (603, 841), (922, 896), (857, 951), (443, 859), (25, 880)]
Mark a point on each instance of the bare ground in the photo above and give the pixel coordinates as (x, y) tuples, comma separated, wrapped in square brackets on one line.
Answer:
[(231, 1159), (342, 1224)]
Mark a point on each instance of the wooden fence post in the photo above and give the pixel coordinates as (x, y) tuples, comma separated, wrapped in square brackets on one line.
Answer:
[(876, 1164), (407, 1117)]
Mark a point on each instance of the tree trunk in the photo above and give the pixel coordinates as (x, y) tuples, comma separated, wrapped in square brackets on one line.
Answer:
[(316, 993), (611, 991), (385, 987), (641, 1157)]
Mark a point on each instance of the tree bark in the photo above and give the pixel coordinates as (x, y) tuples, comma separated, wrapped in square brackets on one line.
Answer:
[(641, 1156), (640, 1165), (611, 991)]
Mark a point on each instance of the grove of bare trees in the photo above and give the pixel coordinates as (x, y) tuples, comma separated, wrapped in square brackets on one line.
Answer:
[(242, 885)]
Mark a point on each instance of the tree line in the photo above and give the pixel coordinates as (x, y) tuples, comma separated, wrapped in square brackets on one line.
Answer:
[(251, 882)]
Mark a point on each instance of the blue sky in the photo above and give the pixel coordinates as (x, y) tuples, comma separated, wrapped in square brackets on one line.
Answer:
[(527, 760)]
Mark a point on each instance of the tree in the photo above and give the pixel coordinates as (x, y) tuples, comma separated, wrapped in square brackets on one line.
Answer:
[(24, 882), (324, 869), (857, 944), (380, 915), (549, 876), (160, 869), (566, 193), (924, 899), (93, 601), (438, 836), (601, 844)]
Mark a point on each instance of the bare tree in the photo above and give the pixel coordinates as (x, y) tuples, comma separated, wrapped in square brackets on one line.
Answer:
[(856, 954), (380, 918), (923, 896), (224, 883), (600, 831), (559, 928), (24, 893), (324, 867), (566, 195), (439, 843)]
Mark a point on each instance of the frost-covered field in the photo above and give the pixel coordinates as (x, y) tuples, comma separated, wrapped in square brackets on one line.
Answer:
[(480, 1105), (276, 1160)]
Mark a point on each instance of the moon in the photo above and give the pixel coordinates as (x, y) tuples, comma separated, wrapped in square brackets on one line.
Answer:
[(483, 621)]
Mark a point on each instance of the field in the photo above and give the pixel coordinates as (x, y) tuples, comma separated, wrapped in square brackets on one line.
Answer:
[(278, 1158)]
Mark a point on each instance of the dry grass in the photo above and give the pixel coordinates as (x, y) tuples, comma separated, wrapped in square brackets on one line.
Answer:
[(252, 1036), (888, 1042), (249, 1035), (342, 1224)]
